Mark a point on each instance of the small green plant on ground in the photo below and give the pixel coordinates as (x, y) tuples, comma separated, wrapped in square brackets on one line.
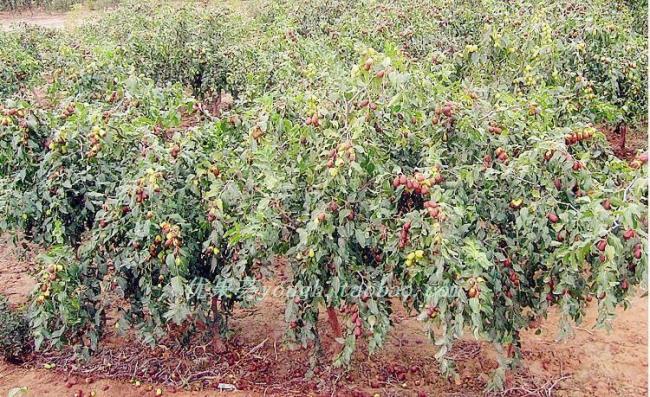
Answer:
[(15, 335)]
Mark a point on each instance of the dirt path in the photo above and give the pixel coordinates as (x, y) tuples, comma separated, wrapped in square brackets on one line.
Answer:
[(9, 20), (591, 363)]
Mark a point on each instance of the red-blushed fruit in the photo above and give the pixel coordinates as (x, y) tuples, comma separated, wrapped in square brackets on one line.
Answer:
[(380, 74), (322, 216), (552, 217), (447, 110), (175, 151), (601, 245), (296, 299), (548, 155), (506, 262), (558, 183), (561, 236), (636, 164), (577, 165), (624, 284), (606, 204), (629, 233), (431, 311), (407, 226), (568, 139), (402, 179), (293, 324), (357, 332), (396, 182), (473, 292), (638, 252), (372, 106), (515, 204), (315, 121), (643, 157), (549, 298), (487, 161), (363, 103)]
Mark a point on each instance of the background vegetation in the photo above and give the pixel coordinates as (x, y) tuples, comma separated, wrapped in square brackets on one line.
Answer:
[(168, 156)]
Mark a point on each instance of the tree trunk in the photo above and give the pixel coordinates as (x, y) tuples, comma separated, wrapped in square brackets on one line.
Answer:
[(334, 321), (622, 130)]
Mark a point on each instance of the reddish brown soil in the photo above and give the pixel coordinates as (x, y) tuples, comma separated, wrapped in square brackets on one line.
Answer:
[(636, 140), (591, 363)]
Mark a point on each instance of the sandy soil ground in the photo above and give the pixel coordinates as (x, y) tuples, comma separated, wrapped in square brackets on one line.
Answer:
[(10, 20), (591, 363)]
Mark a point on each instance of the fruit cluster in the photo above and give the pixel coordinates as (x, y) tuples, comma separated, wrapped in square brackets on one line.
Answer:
[(59, 141), (433, 208), (68, 111), (404, 235), (501, 155), (639, 160), (175, 151), (149, 182), (447, 111), (338, 155), (9, 114), (576, 137), (355, 319), (169, 238), (96, 135), (367, 103), (493, 128), (313, 120), (473, 287), (418, 183), (413, 257), (49, 277)]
